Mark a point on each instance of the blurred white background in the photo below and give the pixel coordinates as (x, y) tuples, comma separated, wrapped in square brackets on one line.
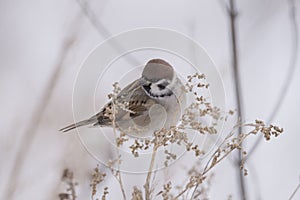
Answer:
[(43, 43)]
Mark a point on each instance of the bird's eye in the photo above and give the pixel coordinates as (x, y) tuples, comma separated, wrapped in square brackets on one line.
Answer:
[(161, 86)]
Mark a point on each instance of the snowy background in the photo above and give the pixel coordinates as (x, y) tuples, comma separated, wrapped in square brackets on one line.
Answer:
[(43, 43)]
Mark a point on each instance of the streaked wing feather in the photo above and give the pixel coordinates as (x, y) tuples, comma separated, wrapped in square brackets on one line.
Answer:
[(136, 101)]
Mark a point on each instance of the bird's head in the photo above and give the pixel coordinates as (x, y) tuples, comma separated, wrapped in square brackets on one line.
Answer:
[(158, 78)]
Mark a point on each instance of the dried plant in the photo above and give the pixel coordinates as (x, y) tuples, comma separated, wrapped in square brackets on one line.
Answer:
[(295, 191), (68, 179), (200, 174), (98, 177), (137, 194)]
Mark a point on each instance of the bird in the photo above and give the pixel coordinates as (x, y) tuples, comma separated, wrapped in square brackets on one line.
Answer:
[(153, 101)]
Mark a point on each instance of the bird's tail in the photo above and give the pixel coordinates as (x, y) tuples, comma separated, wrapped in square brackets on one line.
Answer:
[(91, 120)]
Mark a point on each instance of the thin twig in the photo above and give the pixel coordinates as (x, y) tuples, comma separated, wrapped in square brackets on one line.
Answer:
[(118, 175), (222, 143), (31, 131), (92, 17), (291, 71), (295, 191), (101, 29), (149, 174), (209, 165), (207, 169), (68, 178), (224, 5), (181, 193), (237, 83)]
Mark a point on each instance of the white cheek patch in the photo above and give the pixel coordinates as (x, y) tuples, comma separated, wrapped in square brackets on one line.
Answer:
[(156, 91)]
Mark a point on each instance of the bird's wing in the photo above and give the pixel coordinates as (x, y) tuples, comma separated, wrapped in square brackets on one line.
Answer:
[(129, 89), (134, 103)]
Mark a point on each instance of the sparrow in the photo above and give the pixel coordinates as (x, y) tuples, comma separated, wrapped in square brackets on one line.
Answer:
[(157, 97)]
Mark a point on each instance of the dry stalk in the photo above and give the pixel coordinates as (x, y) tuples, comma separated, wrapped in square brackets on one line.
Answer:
[(118, 174), (101, 29), (137, 194), (232, 14), (295, 191), (229, 144), (147, 185), (68, 179), (176, 135), (98, 178)]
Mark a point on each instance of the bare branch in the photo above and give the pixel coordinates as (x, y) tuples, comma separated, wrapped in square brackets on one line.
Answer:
[(295, 191), (118, 174), (147, 185), (101, 29), (238, 92), (224, 5)]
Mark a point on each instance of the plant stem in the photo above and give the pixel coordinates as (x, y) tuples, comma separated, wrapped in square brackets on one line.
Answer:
[(233, 31), (118, 175), (295, 191), (101, 29), (147, 184)]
